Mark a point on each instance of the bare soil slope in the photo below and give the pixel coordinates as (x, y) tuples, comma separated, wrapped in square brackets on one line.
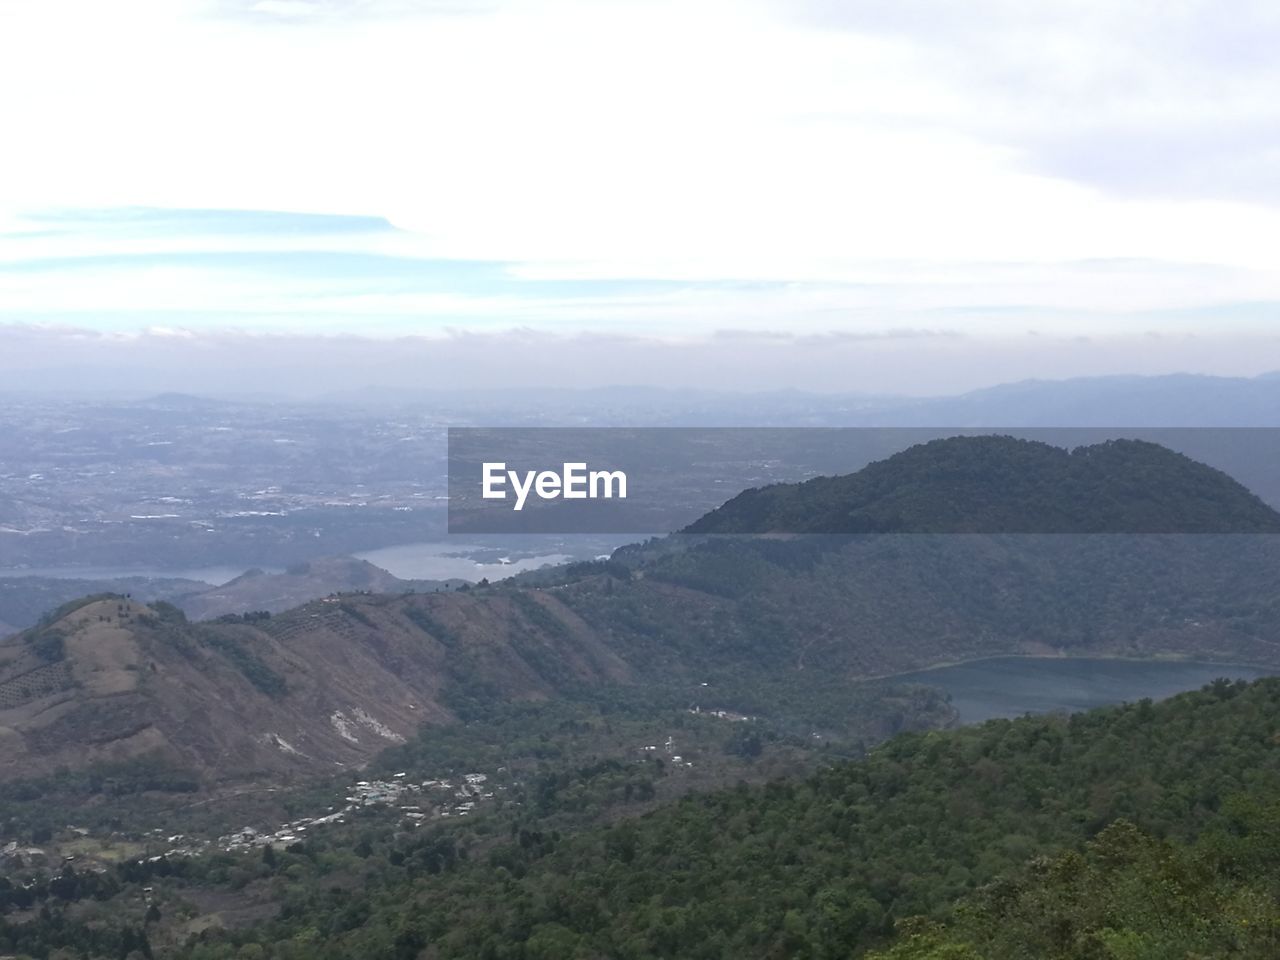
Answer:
[(326, 685)]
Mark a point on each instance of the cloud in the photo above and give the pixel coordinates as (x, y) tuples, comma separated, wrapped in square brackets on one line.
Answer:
[(1211, 158), (661, 169), (830, 337), (178, 221), (285, 8), (710, 134), (117, 270), (312, 11), (1139, 100)]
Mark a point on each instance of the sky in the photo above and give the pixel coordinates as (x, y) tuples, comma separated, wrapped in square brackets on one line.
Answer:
[(879, 195)]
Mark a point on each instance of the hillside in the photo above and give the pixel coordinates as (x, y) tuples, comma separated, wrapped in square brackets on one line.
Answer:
[(853, 607), (330, 683), (1167, 810), (989, 484), (1147, 830)]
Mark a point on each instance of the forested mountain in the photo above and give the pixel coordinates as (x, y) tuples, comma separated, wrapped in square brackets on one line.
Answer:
[(991, 484), (1140, 831), (1147, 830), (1126, 894)]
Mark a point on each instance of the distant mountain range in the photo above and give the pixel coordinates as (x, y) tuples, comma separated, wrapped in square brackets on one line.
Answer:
[(1171, 400), (1175, 400)]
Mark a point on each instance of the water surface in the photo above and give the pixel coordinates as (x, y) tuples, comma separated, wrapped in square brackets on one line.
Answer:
[(1012, 686), (446, 561)]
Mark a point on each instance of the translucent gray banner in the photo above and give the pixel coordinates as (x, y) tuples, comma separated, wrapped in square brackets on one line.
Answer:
[(660, 480)]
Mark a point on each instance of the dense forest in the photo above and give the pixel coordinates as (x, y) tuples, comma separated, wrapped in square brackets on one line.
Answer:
[(830, 865), (1127, 895), (855, 606), (996, 484), (1147, 830)]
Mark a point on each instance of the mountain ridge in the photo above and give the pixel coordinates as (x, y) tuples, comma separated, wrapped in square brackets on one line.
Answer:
[(1001, 484), (328, 684)]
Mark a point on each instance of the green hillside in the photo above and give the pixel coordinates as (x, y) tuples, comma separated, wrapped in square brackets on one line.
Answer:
[(1054, 827), (865, 606), (1127, 895), (993, 484)]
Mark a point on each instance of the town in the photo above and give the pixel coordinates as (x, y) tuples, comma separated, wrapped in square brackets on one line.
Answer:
[(414, 803)]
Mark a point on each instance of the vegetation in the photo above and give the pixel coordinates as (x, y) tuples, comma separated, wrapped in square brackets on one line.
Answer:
[(71, 606), (237, 650), (249, 616), (49, 644), (1148, 830), (1145, 831), (1127, 895), (1003, 485), (870, 605)]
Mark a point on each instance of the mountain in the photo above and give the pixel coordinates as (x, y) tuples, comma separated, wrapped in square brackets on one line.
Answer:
[(274, 592), (1170, 400), (328, 684), (24, 599), (788, 629), (1164, 400), (991, 484)]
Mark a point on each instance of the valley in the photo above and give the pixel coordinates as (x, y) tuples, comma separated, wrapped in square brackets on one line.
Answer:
[(479, 733)]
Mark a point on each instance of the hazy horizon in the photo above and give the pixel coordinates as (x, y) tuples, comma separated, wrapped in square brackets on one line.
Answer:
[(45, 360)]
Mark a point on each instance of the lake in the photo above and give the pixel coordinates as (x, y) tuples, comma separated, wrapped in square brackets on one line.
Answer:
[(412, 561), (1012, 686), (445, 560), (448, 561)]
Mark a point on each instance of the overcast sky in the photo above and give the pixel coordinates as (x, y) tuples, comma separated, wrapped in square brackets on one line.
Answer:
[(894, 196)]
